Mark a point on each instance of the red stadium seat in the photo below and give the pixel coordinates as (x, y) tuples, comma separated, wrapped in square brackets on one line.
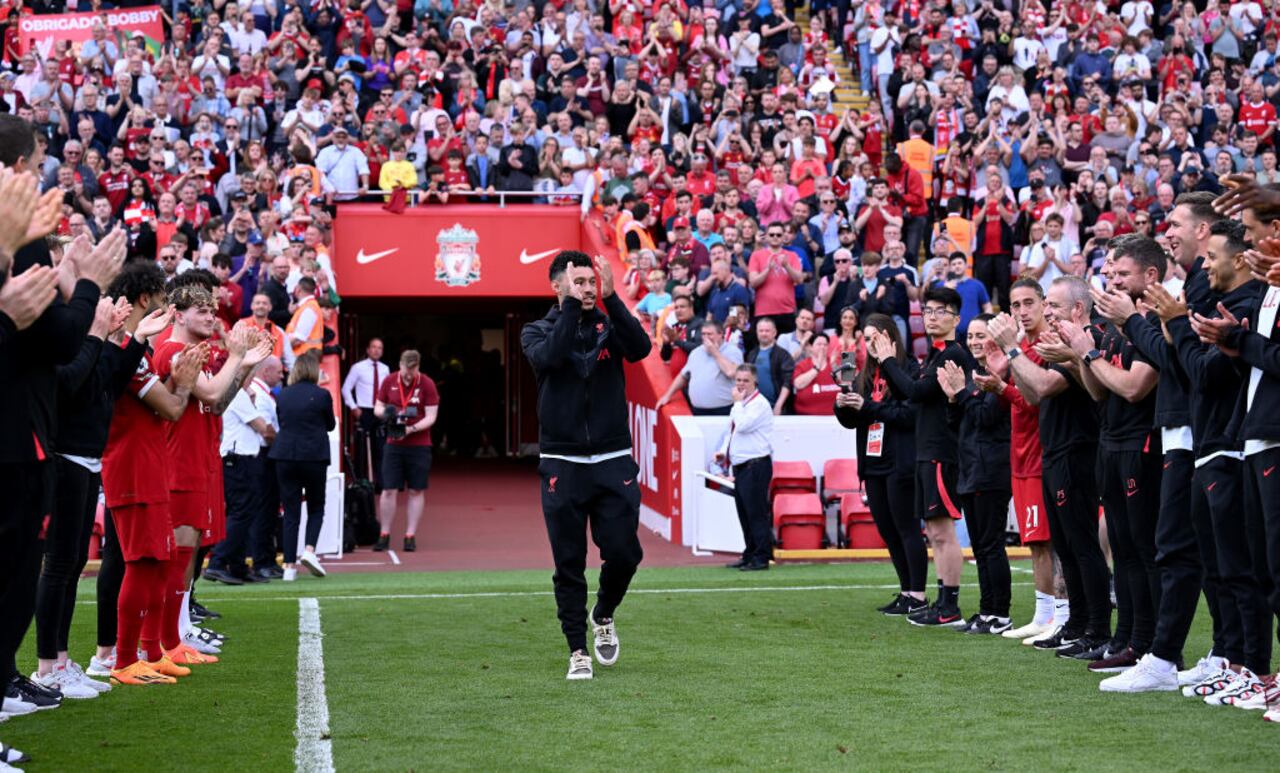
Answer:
[(916, 326), (792, 477), (799, 521), (839, 476), (856, 524), (920, 348)]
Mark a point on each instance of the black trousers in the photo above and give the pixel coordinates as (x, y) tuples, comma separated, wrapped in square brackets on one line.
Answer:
[(605, 495), (66, 550), (298, 480), (242, 486), (721, 411), (993, 271), (28, 489), (751, 496), (1262, 501), (110, 575), (1071, 503), (1130, 487), (985, 514), (914, 230), (371, 439), (1186, 558), (263, 533), (1240, 546), (891, 499)]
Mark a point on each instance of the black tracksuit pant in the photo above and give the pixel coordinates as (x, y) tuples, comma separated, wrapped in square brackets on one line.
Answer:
[(605, 495), (66, 551), (1262, 501), (27, 496), (1187, 559), (1130, 486), (266, 526), (1071, 502), (892, 502), (110, 575), (985, 514), (751, 481), (242, 486)]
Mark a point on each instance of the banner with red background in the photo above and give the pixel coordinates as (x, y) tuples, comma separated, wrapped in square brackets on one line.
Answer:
[(41, 31)]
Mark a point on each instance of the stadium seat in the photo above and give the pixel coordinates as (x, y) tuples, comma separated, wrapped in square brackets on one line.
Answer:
[(792, 477), (799, 521), (916, 326), (856, 525), (839, 476), (920, 348)]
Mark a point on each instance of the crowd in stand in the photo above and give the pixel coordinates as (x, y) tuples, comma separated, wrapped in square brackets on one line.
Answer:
[(765, 217)]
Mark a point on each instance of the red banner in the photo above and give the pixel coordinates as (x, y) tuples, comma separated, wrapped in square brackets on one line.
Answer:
[(41, 31), (470, 250)]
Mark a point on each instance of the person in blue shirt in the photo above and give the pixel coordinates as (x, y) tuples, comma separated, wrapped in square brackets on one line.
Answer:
[(720, 289), (974, 299), (657, 298)]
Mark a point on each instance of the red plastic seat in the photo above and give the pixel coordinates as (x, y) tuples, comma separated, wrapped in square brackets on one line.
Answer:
[(856, 523), (920, 348), (799, 521), (839, 476), (792, 477)]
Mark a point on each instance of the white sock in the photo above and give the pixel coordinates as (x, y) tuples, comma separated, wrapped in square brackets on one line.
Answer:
[(1061, 612), (184, 617), (1044, 608)]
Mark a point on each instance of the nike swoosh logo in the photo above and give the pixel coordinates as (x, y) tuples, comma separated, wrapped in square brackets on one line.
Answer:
[(363, 258), (1130, 493), (933, 507), (526, 258), (627, 482), (1267, 472), (1211, 486)]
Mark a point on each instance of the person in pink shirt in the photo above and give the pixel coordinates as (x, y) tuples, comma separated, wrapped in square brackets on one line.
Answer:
[(773, 273), (774, 201), (807, 168)]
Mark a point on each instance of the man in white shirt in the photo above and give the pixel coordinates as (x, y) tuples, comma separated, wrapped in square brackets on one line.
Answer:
[(1137, 15), (359, 392), (744, 46), (749, 454), (344, 166), (884, 46), (1050, 256)]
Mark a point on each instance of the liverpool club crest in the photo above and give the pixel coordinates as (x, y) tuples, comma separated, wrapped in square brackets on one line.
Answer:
[(457, 262)]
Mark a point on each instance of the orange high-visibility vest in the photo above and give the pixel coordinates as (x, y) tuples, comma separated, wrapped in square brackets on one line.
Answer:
[(313, 338), (919, 155)]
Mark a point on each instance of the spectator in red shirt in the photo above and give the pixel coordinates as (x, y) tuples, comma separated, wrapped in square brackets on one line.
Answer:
[(229, 295), (875, 215)]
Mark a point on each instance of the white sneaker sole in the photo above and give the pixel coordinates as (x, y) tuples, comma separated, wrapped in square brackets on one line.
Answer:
[(313, 566)]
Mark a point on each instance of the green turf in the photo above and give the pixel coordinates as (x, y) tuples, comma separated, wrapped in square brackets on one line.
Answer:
[(790, 679)]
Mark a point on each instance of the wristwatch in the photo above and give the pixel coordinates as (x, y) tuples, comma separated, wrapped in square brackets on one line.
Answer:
[(1093, 354), (1013, 353)]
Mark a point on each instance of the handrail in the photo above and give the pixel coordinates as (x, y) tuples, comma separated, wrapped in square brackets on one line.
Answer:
[(416, 194)]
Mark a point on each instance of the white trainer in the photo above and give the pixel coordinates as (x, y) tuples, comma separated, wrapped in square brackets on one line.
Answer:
[(1150, 675), (102, 666), (7, 768), (1273, 714), (579, 666), (606, 641), (1223, 679), (1204, 668), (309, 560), (290, 575), (1257, 696), (1053, 630), (65, 682), (11, 756), (16, 707), (204, 648), (1243, 685), (83, 678), (1028, 631)]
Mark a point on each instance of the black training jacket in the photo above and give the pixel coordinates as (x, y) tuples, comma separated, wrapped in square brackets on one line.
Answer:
[(87, 391), (1260, 350), (577, 358), (935, 432), (881, 406), (984, 441), (1215, 380)]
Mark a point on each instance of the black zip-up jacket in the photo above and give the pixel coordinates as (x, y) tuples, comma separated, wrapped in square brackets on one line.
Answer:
[(935, 432), (577, 358), (28, 361), (880, 406), (1216, 382), (1261, 350), (87, 391), (984, 441)]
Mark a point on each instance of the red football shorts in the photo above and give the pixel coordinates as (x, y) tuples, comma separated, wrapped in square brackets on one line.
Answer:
[(191, 508), (144, 531), (1028, 508)]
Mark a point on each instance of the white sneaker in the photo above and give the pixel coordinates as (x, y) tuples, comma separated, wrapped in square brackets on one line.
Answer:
[(606, 641), (11, 756), (7, 768), (102, 667), (1206, 667), (1028, 631), (1243, 685), (1253, 697), (92, 684), (1048, 634), (1222, 679), (1150, 675), (16, 707), (204, 648), (65, 682), (579, 666), (1273, 714), (289, 575), (312, 563)]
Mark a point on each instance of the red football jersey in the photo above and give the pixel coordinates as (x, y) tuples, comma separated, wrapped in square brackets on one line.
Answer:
[(135, 465), (1025, 453), (192, 440)]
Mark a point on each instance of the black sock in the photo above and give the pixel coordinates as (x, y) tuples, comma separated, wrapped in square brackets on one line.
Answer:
[(949, 596)]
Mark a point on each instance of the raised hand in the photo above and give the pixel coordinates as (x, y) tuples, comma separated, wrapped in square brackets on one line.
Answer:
[(997, 360), (1162, 302), (24, 297), (189, 365), (103, 263), (153, 324), (1004, 331), (1073, 336), (18, 192), (48, 213), (951, 379), (1052, 348), (260, 351), (1115, 307), (120, 312), (102, 316), (240, 340), (1243, 192), (605, 273), (1214, 331)]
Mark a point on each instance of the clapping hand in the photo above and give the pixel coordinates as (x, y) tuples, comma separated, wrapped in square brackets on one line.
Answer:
[(951, 379), (24, 297), (1164, 304)]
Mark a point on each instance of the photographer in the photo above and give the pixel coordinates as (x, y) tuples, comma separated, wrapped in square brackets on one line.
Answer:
[(407, 403)]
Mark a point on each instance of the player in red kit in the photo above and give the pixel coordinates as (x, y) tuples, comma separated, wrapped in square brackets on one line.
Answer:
[(194, 476), (135, 477)]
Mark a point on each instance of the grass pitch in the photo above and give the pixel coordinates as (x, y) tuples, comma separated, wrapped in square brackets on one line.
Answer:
[(789, 669)]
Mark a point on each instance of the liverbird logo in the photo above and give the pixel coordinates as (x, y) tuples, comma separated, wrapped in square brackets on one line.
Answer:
[(457, 262)]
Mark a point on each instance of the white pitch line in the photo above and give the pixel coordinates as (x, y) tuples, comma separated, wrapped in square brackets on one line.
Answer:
[(394, 558), (314, 752)]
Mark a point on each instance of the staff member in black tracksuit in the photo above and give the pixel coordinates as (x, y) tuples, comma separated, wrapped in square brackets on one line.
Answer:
[(1069, 438), (1217, 385), (936, 499), (588, 475), (985, 482), (886, 456)]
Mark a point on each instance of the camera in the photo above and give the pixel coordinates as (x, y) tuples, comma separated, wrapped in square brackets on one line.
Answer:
[(397, 421), (845, 373)]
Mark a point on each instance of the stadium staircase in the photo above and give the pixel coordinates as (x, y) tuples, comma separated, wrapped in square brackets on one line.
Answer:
[(848, 91)]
